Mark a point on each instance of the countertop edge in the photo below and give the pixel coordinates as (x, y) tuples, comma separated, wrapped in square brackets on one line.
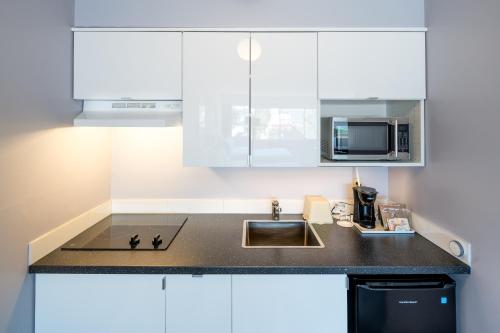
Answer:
[(403, 270)]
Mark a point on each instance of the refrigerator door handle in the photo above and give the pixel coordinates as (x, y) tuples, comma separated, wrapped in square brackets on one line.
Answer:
[(404, 285)]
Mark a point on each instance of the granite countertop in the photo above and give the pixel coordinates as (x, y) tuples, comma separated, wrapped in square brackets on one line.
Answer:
[(211, 244)]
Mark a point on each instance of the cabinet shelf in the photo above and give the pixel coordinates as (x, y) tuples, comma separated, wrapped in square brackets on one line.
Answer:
[(326, 163), (411, 109)]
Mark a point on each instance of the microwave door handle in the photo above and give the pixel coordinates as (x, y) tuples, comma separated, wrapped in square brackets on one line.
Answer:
[(396, 139)]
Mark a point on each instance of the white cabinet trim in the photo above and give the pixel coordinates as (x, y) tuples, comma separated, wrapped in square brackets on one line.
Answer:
[(208, 29)]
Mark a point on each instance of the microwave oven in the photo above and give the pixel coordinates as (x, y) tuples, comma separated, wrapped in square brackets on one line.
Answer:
[(365, 139)]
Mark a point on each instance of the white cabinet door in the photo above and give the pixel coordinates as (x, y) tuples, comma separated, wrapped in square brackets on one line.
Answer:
[(359, 65), (289, 304), (198, 304), (85, 303), (127, 65), (216, 86), (284, 99)]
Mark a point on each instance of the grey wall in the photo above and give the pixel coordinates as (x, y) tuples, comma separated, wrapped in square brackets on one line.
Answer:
[(49, 172), (458, 189), (250, 13)]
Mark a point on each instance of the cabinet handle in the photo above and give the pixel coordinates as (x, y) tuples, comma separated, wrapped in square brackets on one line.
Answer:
[(164, 283), (372, 98), (197, 275)]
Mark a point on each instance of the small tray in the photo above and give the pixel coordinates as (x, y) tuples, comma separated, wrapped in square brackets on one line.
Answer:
[(379, 230)]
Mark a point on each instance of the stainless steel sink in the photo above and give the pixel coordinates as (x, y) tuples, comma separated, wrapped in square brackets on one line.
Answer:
[(280, 234)]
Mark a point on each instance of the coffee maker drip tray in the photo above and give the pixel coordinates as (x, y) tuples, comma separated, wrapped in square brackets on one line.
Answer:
[(379, 230)]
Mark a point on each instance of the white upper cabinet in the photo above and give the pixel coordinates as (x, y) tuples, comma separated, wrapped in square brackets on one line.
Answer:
[(216, 87), (361, 65), (127, 65), (198, 303), (284, 99), (99, 303), (289, 304)]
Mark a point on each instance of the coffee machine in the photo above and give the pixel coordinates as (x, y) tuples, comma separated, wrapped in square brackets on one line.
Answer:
[(364, 206)]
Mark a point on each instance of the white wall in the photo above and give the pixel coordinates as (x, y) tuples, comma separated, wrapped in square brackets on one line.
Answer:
[(50, 172), (458, 190), (250, 13), (147, 163)]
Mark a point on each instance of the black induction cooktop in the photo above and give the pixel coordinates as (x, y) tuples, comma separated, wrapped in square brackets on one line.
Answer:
[(138, 235)]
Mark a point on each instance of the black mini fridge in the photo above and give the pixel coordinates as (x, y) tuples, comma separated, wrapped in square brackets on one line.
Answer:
[(401, 304)]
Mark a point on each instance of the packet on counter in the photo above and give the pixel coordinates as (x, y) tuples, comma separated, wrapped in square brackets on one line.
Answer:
[(398, 224), (388, 211)]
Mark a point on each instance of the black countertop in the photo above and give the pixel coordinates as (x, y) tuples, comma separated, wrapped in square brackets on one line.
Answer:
[(211, 244)]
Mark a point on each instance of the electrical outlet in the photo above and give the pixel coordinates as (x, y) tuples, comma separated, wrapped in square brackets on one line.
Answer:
[(356, 181)]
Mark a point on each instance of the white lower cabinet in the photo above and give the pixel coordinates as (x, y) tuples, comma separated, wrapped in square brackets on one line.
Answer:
[(122, 303), (100, 303), (198, 303), (289, 304)]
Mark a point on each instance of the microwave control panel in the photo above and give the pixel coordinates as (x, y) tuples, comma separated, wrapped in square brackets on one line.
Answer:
[(403, 138)]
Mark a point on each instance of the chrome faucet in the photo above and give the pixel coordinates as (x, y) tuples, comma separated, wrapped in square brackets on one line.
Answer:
[(276, 210)]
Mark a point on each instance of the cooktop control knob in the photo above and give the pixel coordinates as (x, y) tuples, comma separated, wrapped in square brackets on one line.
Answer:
[(157, 241), (134, 241)]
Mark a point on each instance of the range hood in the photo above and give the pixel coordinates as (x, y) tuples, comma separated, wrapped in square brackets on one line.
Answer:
[(130, 114)]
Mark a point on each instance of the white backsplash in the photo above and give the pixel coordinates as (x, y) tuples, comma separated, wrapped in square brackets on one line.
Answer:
[(147, 164)]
